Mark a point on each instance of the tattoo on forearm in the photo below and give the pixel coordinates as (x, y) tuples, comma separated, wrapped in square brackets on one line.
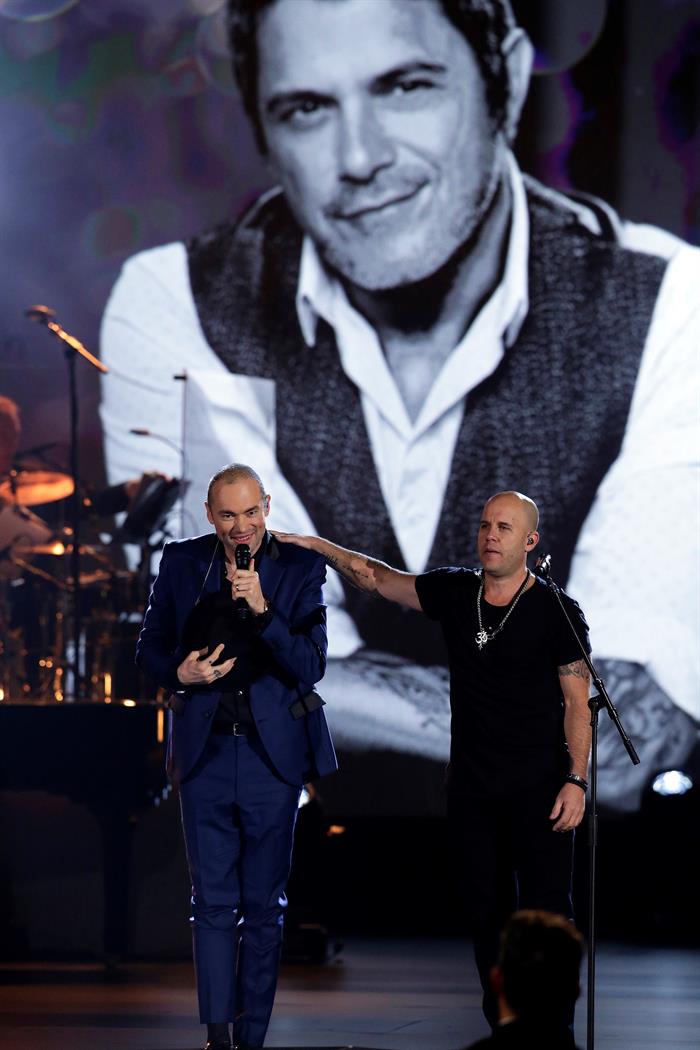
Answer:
[(356, 571), (578, 669)]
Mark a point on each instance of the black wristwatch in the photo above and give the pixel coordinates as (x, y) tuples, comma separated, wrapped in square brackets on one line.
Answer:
[(581, 782)]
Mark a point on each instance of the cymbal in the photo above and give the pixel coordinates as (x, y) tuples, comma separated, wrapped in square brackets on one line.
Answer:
[(19, 529), (58, 548), (87, 579), (33, 487)]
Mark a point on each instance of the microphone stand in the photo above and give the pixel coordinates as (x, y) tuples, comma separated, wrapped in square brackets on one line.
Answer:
[(600, 699), (182, 378), (73, 348), (181, 449)]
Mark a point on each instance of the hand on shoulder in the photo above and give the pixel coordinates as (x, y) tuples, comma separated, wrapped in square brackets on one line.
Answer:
[(292, 537)]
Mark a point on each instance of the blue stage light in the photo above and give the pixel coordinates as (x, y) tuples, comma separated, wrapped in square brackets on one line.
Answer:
[(672, 782)]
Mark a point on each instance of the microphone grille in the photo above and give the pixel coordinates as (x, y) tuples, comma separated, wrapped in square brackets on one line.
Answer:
[(242, 555)]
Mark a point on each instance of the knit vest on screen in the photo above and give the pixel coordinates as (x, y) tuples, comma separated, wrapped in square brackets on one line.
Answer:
[(548, 422)]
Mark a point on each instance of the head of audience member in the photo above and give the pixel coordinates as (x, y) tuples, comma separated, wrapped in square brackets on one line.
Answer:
[(237, 506), (537, 978), (10, 431), (387, 125)]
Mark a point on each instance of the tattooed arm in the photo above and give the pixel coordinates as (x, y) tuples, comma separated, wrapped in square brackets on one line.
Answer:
[(663, 735), (363, 572), (570, 803), (574, 680)]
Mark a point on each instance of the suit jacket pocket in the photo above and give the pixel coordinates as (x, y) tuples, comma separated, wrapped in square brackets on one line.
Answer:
[(176, 703), (305, 704)]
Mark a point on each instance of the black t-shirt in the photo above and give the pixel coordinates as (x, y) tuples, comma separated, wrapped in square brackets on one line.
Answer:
[(506, 701)]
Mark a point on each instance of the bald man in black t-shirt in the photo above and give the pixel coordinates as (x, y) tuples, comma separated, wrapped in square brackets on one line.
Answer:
[(520, 740)]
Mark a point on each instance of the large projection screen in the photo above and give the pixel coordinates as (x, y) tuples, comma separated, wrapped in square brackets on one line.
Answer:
[(124, 138)]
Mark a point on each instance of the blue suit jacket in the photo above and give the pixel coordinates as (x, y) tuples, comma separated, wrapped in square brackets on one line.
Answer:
[(291, 578)]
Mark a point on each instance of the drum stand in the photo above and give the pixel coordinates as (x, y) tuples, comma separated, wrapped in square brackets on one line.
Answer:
[(73, 347)]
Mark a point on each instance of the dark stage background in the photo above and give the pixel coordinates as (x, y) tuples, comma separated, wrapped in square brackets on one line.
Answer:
[(121, 130)]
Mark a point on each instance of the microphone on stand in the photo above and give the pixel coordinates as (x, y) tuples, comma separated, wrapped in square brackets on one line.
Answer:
[(42, 314), (543, 566), (46, 316), (148, 433), (242, 556)]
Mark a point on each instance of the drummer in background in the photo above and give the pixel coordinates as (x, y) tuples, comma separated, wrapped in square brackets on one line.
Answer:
[(17, 524), (34, 566), (100, 503), (10, 430)]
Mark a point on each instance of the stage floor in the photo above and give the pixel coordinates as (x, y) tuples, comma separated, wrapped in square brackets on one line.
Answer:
[(383, 994)]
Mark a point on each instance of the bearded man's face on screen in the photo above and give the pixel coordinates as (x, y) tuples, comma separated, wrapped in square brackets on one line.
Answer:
[(376, 121)]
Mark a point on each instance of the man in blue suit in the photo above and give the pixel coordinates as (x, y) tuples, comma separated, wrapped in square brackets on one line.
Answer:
[(240, 649)]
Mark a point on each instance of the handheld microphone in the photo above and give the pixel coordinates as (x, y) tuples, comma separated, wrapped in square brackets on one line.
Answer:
[(242, 556), (543, 566)]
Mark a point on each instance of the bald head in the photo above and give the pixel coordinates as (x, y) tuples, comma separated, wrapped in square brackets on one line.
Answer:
[(232, 473), (507, 534), (523, 505)]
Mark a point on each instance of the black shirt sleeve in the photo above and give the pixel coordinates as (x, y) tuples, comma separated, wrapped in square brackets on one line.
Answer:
[(437, 591), (566, 648)]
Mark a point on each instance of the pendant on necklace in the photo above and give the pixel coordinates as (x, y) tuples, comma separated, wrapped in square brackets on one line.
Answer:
[(481, 638)]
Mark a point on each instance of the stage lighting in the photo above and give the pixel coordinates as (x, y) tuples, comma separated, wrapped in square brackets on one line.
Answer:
[(672, 782)]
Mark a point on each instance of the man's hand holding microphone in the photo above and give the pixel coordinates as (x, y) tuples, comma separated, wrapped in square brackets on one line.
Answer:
[(245, 584), (200, 667)]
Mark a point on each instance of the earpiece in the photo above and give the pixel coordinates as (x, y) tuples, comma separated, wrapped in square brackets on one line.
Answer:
[(530, 541)]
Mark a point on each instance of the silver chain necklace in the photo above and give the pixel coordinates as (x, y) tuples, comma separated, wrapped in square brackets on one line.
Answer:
[(483, 636)]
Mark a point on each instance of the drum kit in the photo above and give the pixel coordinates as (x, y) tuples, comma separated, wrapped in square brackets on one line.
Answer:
[(38, 594), (70, 611)]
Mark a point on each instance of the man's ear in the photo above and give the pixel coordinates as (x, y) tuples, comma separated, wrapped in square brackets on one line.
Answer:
[(266, 508), (209, 517), (518, 54), (496, 980), (532, 540)]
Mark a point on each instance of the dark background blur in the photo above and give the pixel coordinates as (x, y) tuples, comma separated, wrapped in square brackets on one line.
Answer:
[(121, 129)]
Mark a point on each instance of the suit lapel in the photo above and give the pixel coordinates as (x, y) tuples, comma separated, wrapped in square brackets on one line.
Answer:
[(210, 567), (271, 569)]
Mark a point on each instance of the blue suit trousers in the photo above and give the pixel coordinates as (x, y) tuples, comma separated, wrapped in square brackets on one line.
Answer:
[(238, 818)]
